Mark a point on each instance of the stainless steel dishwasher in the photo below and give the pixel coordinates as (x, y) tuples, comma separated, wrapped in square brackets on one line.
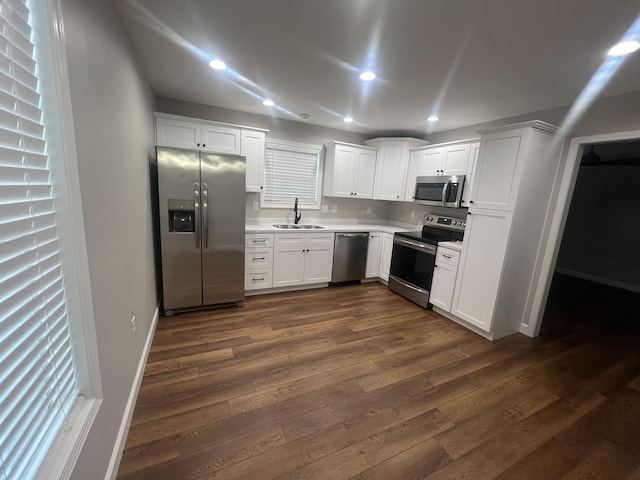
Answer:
[(349, 256)]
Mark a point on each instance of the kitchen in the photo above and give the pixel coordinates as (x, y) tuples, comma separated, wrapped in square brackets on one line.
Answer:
[(106, 77)]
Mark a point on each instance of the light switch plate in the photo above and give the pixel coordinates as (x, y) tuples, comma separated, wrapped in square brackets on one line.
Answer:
[(334, 209), (368, 210), (324, 209)]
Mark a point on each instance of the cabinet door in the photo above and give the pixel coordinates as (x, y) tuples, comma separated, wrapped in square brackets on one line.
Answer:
[(373, 255), (415, 164), (288, 261), (364, 173), (220, 139), (455, 159), (178, 134), (431, 162), (344, 169), (391, 172), (496, 177), (483, 255), (444, 279), (471, 170), (318, 257), (385, 255), (252, 147)]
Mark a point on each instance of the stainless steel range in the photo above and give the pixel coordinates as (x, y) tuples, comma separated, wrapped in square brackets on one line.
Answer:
[(414, 256)]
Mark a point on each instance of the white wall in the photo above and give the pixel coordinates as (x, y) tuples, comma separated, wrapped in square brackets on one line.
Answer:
[(112, 108)]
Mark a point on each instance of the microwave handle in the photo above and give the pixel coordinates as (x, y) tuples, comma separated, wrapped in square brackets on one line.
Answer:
[(445, 191)]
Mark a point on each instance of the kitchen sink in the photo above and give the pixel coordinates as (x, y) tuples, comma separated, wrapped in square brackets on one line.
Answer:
[(291, 226), (286, 225)]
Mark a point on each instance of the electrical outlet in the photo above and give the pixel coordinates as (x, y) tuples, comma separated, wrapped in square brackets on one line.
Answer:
[(324, 208), (133, 323), (413, 214), (255, 206), (368, 210), (334, 209)]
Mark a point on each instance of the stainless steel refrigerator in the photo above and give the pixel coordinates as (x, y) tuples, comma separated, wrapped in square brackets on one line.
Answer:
[(201, 207)]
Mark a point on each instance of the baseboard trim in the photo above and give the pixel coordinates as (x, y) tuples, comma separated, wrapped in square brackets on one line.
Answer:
[(598, 279), (116, 454)]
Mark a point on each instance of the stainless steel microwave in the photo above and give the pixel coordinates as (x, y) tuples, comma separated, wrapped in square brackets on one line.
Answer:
[(440, 190)]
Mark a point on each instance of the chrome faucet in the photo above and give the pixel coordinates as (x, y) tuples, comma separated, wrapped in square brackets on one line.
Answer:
[(296, 216)]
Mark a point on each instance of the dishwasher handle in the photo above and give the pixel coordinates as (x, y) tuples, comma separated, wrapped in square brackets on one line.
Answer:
[(363, 234)]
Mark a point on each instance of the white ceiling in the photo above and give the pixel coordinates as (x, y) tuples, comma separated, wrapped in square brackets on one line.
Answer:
[(471, 61)]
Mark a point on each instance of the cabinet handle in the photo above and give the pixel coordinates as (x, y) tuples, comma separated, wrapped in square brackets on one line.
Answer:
[(446, 256), (258, 258), (257, 279), (258, 241)]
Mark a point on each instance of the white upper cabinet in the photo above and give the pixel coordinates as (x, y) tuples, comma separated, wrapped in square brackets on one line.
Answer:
[(178, 133), (392, 166), (195, 134), (220, 139), (252, 143), (349, 170), (445, 159), (471, 169)]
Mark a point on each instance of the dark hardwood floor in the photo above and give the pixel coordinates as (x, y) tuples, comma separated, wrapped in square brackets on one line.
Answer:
[(357, 382)]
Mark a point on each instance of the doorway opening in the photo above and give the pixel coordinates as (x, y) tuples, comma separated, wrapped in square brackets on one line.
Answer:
[(596, 280)]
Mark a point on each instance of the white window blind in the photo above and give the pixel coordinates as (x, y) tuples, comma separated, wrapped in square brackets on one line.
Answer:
[(37, 375), (292, 170)]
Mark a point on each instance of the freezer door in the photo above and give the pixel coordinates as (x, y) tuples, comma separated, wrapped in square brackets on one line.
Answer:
[(223, 207), (178, 192)]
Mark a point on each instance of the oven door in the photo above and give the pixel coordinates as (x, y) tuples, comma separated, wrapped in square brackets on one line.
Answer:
[(412, 265)]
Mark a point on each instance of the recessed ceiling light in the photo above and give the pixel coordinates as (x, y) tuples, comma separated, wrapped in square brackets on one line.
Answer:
[(433, 118), (367, 76), (624, 48), (268, 102), (348, 119), (217, 64)]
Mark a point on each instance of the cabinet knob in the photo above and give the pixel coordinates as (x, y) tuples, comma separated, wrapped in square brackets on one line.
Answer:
[(470, 201), (203, 145), (197, 144), (468, 213)]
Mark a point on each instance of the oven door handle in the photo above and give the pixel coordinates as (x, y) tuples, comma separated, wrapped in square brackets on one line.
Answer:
[(427, 248)]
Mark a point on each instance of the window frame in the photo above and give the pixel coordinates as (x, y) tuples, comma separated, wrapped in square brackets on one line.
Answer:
[(296, 147), (50, 54)]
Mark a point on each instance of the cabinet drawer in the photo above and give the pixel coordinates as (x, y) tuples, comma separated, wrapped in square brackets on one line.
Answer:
[(320, 240), (259, 240), (445, 256), (257, 279), (260, 258)]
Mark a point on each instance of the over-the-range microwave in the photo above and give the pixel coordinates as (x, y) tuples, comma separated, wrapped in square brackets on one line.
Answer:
[(439, 190)]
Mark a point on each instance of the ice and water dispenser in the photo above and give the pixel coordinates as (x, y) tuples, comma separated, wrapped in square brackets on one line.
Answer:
[(182, 216)]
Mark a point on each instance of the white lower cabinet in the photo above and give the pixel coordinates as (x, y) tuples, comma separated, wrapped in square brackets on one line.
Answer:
[(258, 261), (372, 269), (481, 265), (302, 258), (385, 255), (444, 278)]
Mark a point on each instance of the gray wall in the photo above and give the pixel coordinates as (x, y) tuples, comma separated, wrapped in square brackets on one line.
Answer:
[(112, 108)]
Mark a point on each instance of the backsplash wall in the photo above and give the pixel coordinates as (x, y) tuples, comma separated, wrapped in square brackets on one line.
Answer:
[(347, 209)]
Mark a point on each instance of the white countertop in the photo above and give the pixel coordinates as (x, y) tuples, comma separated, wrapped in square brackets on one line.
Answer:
[(452, 245), (330, 227)]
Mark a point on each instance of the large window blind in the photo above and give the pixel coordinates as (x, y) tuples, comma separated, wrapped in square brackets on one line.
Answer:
[(37, 373), (292, 170)]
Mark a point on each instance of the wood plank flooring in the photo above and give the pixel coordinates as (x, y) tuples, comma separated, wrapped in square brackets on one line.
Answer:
[(357, 382)]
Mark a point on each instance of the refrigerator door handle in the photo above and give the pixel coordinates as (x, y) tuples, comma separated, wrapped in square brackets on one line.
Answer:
[(205, 215), (196, 202)]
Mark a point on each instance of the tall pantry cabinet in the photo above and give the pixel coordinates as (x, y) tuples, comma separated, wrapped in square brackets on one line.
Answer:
[(514, 177)]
